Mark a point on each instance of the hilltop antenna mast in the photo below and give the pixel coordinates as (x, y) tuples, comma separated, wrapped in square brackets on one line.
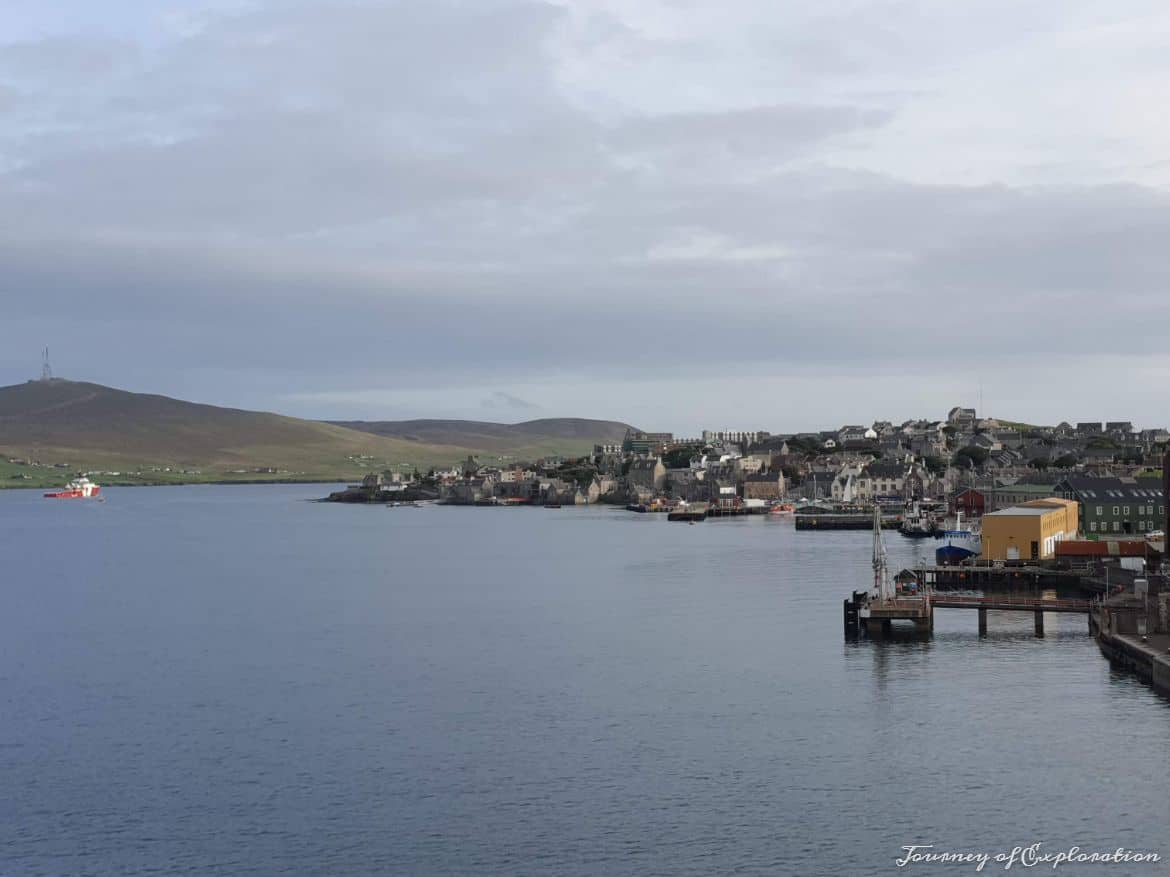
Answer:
[(46, 369)]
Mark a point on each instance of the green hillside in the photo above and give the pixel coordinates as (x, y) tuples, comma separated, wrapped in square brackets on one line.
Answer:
[(81, 426), (53, 428)]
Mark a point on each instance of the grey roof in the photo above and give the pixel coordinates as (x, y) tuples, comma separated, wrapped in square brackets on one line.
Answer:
[(880, 469), (644, 463), (1102, 489), (1018, 511)]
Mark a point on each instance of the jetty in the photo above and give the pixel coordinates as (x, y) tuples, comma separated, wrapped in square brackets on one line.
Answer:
[(910, 598), (875, 617), (822, 518)]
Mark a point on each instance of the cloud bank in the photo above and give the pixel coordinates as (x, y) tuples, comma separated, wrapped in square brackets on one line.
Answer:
[(762, 215)]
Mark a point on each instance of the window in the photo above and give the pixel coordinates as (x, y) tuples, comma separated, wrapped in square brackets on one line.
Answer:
[(1093, 527), (1100, 510), (1116, 510), (1116, 526), (1127, 511)]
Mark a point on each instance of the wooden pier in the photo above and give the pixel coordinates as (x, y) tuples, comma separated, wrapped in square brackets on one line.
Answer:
[(876, 617)]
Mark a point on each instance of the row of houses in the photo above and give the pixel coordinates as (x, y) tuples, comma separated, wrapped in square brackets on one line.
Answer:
[(1007, 444), (704, 479)]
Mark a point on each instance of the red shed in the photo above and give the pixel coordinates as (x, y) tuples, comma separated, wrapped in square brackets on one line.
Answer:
[(971, 503)]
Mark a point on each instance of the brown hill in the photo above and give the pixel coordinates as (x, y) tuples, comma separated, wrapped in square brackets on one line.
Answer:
[(94, 427), (89, 425)]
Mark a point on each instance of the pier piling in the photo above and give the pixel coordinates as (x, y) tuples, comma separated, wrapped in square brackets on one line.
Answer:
[(982, 622)]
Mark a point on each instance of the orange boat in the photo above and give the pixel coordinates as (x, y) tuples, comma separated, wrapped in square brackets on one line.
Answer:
[(79, 488)]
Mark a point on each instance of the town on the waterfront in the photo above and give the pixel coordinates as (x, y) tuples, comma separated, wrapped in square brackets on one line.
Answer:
[(1026, 518), (962, 464)]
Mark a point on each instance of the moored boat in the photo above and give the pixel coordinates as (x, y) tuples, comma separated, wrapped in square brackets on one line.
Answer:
[(919, 522), (79, 488), (958, 544)]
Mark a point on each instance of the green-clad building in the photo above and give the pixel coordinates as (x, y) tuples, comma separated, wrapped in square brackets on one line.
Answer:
[(1116, 506)]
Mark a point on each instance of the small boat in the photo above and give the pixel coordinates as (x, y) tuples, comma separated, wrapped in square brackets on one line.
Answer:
[(79, 488), (784, 509), (958, 544), (552, 505)]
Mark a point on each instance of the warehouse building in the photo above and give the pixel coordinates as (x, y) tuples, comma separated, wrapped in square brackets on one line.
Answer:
[(1030, 531)]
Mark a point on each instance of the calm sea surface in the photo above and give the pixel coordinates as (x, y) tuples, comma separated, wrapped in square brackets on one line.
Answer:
[(232, 680)]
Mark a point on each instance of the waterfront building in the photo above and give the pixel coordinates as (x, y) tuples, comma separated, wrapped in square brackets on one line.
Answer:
[(765, 485), (1029, 531), (1116, 506), (647, 473)]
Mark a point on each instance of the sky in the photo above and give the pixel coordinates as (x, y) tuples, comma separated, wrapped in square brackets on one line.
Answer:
[(751, 214)]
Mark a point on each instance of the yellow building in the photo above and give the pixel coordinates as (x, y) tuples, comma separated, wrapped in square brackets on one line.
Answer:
[(1029, 531)]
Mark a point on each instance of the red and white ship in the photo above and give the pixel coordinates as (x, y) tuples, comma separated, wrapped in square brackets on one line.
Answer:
[(79, 488)]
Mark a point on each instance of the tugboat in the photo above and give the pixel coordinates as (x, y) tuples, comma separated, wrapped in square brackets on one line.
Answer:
[(918, 522), (958, 544), (79, 488)]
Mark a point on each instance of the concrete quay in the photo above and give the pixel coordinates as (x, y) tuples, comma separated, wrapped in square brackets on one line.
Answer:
[(1114, 626)]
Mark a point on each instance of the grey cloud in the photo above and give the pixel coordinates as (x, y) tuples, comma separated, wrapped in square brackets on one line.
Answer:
[(751, 129), (330, 196)]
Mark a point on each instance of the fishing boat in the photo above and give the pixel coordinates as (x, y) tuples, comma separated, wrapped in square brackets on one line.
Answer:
[(958, 544), (79, 488)]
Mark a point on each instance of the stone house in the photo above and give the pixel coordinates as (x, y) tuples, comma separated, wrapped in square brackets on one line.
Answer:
[(647, 473), (881, 479), (467, 491), (763, 485)]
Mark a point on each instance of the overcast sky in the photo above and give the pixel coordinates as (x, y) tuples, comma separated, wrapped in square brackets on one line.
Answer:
[(743, 214)]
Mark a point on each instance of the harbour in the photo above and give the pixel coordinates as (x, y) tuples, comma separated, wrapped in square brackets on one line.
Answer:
[(1119, 587), (617, 676)]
